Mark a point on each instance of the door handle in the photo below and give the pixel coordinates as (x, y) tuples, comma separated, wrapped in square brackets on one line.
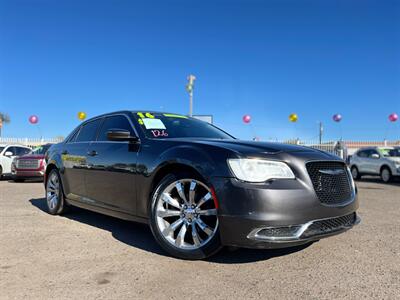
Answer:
[(92, 153)]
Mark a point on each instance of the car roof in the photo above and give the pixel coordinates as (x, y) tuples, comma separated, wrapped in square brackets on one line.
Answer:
[(375, 148), (13, 145), (127, 112)]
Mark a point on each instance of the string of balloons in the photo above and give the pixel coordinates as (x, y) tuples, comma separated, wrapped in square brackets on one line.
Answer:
[(336, 118)]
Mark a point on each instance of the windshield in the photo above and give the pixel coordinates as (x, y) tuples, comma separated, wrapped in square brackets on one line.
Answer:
[(390, 152), (157, 125), (41, 150)]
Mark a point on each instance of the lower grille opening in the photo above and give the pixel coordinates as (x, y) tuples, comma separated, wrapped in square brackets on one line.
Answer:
[(305, 231), (279, 232), (329, 225)]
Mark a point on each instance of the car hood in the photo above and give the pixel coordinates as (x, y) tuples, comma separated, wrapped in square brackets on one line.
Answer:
[(395, 159), (32, 156), (250, 147)]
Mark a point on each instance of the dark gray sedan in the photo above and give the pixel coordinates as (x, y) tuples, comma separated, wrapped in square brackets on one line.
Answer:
[(198, 187)]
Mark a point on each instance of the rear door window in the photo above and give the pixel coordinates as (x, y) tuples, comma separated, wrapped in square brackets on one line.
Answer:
[(363, 153), (88, 131)]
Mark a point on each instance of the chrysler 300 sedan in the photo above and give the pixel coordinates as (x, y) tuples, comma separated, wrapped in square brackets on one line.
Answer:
[(198, 187)]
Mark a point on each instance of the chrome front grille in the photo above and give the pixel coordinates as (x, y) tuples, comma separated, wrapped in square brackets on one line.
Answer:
[(331, 181), (28, 163)]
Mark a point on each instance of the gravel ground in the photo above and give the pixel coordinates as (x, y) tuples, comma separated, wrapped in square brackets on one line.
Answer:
[(85, 255)]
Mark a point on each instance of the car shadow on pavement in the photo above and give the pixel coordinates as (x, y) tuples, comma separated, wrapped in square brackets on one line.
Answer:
[(131, 233), (139, 235)]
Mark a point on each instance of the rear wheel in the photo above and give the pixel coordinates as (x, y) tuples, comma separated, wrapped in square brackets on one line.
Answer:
[(386, 174), (184, 218), (54, 194), (355, 173)]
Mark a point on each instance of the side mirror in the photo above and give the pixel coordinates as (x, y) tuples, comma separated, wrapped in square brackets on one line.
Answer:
[(8, 154), (375, 155), (120, 135)]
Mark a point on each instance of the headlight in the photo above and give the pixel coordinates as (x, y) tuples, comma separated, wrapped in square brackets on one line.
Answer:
[(259, 170)]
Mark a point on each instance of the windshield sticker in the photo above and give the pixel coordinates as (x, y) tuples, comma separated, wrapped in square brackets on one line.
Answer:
[(175, 116), (159, 133), (153, 123)]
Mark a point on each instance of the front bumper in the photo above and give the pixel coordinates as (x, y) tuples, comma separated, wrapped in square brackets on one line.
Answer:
[(282, 213), (22, 174)]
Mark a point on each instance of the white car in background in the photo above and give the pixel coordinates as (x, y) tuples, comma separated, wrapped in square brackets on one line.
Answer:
[(381, 161), (7, 154)]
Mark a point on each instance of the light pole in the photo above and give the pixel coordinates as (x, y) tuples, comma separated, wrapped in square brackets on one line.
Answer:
[(189, 88), (321, 131)]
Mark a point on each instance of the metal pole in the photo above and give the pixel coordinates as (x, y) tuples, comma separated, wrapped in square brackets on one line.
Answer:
[(191, 104), (189, 88), (321, 130)]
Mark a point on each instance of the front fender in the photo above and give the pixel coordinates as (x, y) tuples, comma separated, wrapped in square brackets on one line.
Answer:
[(208, 163)]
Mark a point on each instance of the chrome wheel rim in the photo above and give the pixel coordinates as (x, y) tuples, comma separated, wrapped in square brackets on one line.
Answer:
[(53, 191), (186, 214), (385, 175)]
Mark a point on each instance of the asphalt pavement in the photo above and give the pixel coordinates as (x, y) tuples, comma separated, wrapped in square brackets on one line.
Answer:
[(85, 255)]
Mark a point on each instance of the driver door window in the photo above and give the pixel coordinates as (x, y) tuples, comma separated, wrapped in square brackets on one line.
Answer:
[(114, 122)]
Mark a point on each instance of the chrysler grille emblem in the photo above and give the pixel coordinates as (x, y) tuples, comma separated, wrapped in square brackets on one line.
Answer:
[(332, 171)]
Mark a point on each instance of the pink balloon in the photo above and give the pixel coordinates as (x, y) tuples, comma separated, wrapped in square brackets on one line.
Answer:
[(33, 119), (337, 117), (246, 119), (393, 117)]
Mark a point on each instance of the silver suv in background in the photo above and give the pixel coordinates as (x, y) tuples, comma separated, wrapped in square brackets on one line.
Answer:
[(382, 161)]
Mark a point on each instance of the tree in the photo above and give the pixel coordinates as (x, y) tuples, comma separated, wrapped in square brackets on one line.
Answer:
[(4, 119)]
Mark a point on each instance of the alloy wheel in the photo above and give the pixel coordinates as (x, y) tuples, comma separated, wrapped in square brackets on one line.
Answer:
[(354, 173), (186, 215), (385, 175), (53, 191)]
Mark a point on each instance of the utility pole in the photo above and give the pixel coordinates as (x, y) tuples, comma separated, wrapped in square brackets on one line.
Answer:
[(321, 130), (189, 88)]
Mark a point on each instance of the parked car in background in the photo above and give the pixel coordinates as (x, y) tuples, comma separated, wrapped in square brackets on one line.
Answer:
[(380, 161), (31, 165), (7, 154), (198, 187)]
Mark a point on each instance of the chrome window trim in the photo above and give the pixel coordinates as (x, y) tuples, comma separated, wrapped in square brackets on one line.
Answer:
[(97, 133)]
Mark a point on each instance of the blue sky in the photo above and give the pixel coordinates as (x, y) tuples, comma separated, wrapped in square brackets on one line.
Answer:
[(263, 58)]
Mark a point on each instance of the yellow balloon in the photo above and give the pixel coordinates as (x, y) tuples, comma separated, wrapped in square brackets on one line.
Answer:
[(81, 115), (293, 118)]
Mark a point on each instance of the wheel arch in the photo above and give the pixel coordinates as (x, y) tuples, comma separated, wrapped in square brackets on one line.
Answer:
[(171, 168), (385, 166), (49, 168)]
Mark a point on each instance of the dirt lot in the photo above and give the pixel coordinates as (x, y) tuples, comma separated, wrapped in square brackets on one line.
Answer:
[(84, 255)]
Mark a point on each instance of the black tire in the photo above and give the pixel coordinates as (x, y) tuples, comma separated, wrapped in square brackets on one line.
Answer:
[(386, 175), (60, 207), (355, 173), (208, 249), (1, 172)]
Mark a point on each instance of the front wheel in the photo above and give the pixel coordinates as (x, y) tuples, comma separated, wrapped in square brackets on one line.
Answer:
[(354, 172), (184, 218), (386, 175), (54, 194)]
